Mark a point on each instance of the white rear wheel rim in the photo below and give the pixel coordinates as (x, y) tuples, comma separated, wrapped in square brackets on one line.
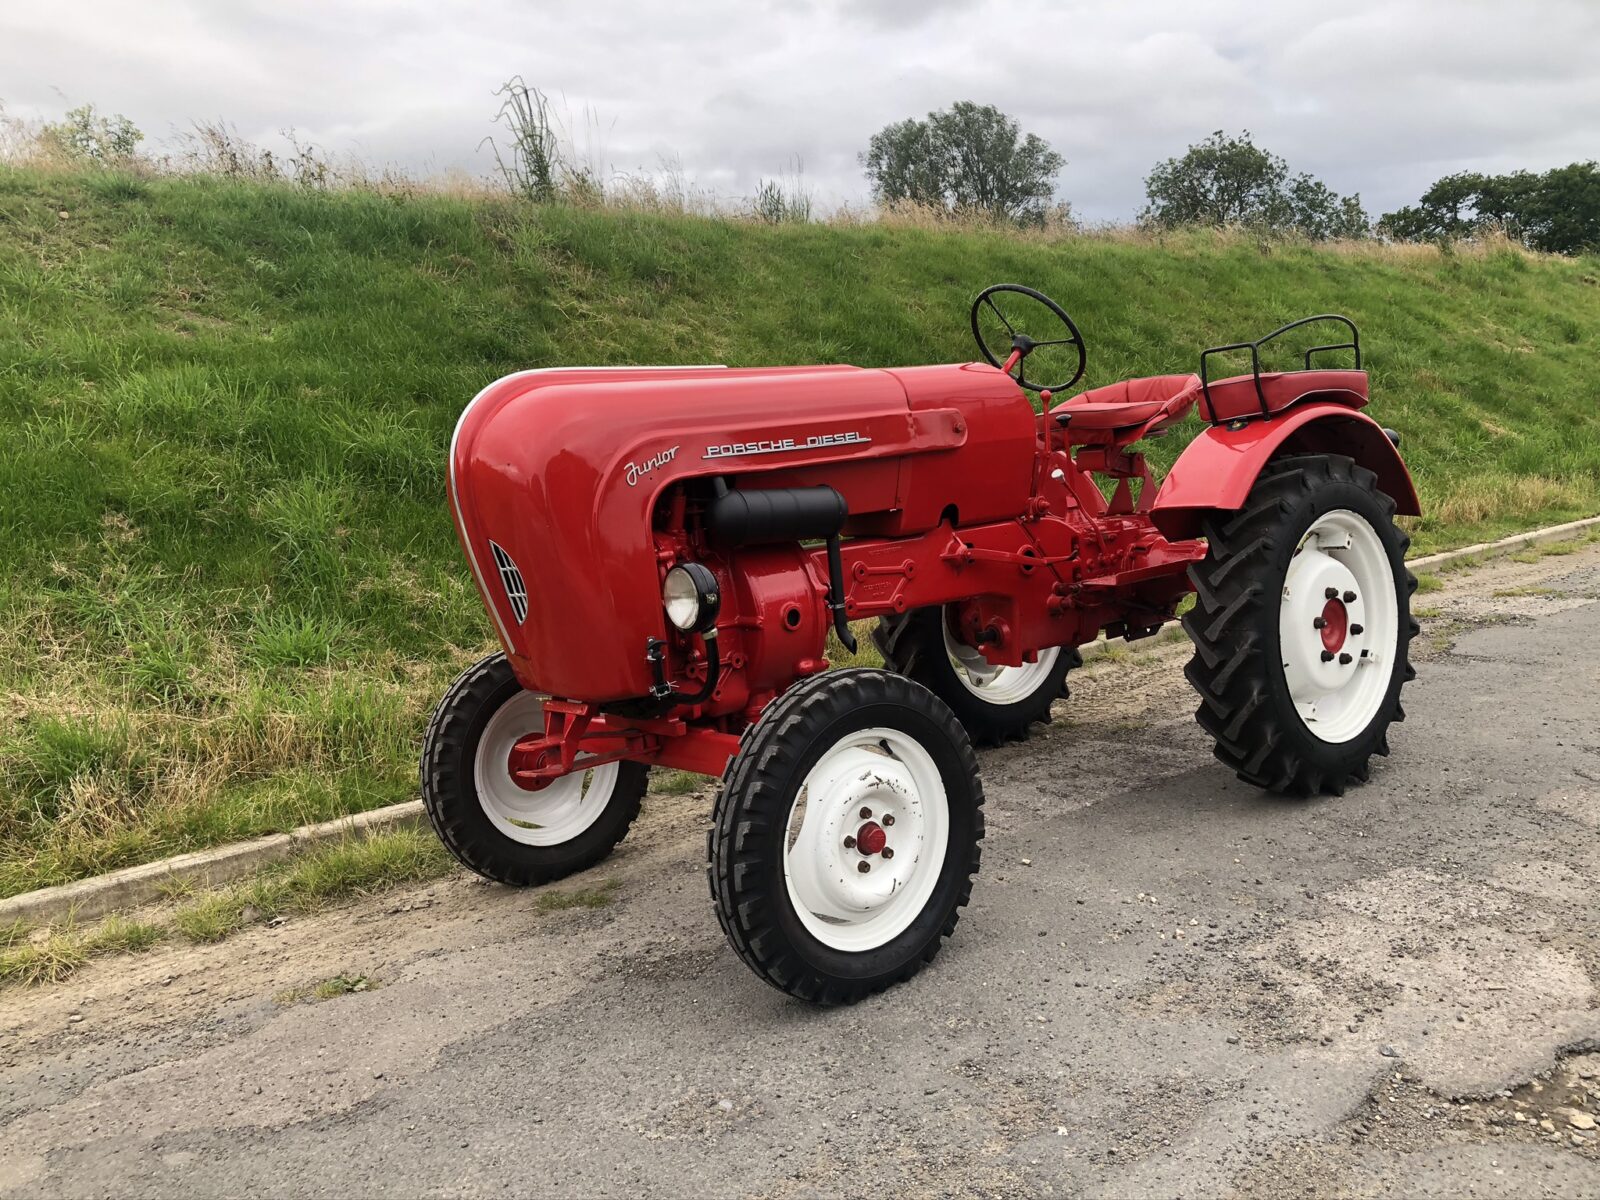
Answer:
[(997, 685), (554, 814), (1336, 698), (890, 775)]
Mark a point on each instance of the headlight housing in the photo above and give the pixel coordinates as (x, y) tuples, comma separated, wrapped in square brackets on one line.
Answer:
[(692, 597)]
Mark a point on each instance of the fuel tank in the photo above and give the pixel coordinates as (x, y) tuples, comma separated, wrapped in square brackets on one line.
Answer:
[(555, 477)]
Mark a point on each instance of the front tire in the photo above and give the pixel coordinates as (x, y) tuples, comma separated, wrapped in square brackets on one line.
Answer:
[(1302, 626), (492, 825), (846, 835), (994, 704)]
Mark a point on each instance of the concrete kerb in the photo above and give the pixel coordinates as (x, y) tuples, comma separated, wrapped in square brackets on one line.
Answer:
[(128, 888)]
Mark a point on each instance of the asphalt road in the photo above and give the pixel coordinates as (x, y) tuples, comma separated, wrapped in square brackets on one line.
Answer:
[(1167, 984)]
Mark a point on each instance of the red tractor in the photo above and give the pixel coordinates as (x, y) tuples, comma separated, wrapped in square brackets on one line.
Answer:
[(664, 551)]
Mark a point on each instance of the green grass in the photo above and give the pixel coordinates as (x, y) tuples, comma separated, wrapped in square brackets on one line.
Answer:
[(50, 956), (232, 590), (591, 897), (305, 885), (309, 883), (328, 989)]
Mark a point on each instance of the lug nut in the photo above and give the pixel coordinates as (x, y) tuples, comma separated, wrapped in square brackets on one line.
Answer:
[(863, 866), (1330, 594), (849, 841), (888, 819), (888, 852), (1327, 656), (1344, 660), (1357, 630), (865, 812), (1318, 623), (1349, 597)]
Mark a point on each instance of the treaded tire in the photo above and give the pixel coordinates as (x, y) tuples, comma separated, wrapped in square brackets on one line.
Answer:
[(912, 644), (1237, 668), (750, 829), (449, 793)]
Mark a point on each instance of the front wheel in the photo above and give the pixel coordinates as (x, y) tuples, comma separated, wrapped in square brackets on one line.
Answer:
[(846, 835), (1302, 626), (489, 821)]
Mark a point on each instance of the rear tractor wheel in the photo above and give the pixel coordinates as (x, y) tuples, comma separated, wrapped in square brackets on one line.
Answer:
[(1302, 626), (486, 818), (845, 836), (994, 704)]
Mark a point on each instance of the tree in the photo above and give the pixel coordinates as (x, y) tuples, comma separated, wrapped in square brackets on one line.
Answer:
[(88, 136), (1232, 181), (971, 157), (1558, 211)]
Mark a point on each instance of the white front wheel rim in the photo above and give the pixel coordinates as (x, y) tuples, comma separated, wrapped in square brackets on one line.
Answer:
[(1338, 625), (891, 777), (997, 685), (554, 814)]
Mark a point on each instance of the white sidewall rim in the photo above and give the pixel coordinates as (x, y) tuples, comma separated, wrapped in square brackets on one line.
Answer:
[(838, 905), (1337, 703), (999, 686), (555, 814)]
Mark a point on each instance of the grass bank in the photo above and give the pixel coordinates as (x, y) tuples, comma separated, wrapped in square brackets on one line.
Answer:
[(231, 589)]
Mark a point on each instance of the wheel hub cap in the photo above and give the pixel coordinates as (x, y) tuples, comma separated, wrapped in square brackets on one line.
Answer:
[(871, 838), (1335, 624), (521, 760)]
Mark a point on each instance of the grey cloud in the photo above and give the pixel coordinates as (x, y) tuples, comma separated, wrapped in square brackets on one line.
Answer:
[(1376, 96)]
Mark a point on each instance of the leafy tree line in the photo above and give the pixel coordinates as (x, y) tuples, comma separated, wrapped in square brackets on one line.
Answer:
[(969, 158), (1558, 210), (973, 158), (1231, 181)]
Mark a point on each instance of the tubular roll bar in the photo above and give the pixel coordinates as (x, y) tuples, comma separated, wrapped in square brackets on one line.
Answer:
[(1255, 356)]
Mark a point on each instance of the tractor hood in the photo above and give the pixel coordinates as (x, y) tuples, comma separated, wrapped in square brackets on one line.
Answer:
[(554, 476)]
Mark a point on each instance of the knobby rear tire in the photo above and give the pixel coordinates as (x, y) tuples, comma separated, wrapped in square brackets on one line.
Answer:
[(1237, 666)]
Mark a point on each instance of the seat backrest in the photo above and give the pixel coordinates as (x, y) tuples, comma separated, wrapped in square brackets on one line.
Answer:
[(1167, 390), (1238, 397)]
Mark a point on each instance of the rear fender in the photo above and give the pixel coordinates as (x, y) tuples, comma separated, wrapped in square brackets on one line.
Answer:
[(1217, 470)]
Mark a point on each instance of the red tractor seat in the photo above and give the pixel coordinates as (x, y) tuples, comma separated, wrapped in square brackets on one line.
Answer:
[(1130, 404), (1230, 399)]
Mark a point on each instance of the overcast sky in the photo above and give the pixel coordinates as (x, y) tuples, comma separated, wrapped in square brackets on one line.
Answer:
[(1375, 96)]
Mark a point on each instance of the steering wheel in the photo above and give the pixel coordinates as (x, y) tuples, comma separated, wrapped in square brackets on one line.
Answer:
[(1021, 345)]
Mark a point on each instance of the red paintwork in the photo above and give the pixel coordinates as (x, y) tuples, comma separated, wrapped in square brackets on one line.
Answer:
[(1217, 468), (592, 481), (871, 838), (1237, 397), (1335, 624)]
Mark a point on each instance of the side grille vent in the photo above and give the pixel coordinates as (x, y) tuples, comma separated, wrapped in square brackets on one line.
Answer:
[(516, 590)]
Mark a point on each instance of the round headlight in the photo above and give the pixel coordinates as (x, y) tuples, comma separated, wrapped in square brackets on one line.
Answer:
[(691, 597)]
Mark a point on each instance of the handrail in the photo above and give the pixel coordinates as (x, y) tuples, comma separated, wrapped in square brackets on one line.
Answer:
[(1255, 356)]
